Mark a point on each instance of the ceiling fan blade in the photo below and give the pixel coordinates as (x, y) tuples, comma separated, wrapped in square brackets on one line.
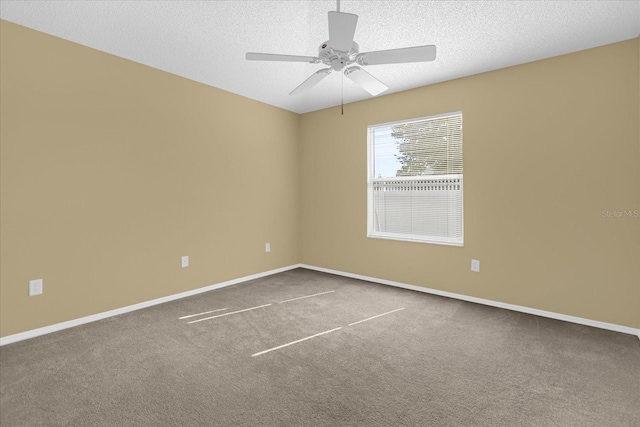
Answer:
[(311, 81), (365, 80), (252, 56), (398, 56), (342, 29)]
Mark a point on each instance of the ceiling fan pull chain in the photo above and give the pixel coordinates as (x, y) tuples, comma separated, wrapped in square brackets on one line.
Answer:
[(342, 98)]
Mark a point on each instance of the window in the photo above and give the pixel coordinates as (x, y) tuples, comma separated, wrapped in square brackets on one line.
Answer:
[(415, 180)]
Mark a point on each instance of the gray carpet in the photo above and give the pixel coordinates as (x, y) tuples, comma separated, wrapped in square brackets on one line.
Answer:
[(436, 362)]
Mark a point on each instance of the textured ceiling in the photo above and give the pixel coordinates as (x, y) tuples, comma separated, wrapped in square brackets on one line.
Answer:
[(206, 40)]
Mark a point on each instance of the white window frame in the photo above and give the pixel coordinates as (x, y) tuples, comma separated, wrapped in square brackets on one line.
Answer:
[(372, 181)]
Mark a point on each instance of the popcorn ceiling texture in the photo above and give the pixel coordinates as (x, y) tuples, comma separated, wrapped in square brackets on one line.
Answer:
[(206, 40)]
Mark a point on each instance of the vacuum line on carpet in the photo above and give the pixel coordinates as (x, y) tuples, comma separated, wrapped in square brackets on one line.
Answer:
[(227, 314), (200, 314), (373, 317), (307, 296), (295, 342)]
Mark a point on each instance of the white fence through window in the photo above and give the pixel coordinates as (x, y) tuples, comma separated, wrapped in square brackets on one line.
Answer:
[(438, 200)]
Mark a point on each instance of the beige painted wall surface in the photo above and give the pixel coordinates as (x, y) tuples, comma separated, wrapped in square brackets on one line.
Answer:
[(548, 146), (111, 171)]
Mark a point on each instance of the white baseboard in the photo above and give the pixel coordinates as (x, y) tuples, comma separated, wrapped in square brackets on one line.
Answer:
[(535, 311), (99, 316)]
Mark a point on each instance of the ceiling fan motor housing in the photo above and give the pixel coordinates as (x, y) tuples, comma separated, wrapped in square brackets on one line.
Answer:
[(335, 59)]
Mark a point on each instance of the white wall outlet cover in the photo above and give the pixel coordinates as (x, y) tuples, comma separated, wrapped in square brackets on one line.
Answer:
[(185, 261), (35, 287), (475, 265), (267, 247)]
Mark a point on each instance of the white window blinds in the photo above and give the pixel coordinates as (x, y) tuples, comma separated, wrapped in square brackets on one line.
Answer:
[(415, 181)]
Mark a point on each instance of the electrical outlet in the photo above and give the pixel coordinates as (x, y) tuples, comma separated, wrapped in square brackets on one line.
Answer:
[(267, 247), (35, 287), (185, 261), (475, 265)]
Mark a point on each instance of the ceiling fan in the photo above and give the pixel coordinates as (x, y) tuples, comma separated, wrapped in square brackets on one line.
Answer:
[(341, 53)]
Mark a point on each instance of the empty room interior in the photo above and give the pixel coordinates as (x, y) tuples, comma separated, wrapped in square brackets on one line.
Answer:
[(183, 251)]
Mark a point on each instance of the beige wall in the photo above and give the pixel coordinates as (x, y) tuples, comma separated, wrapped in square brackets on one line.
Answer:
[(111, 171), (548, 146)]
